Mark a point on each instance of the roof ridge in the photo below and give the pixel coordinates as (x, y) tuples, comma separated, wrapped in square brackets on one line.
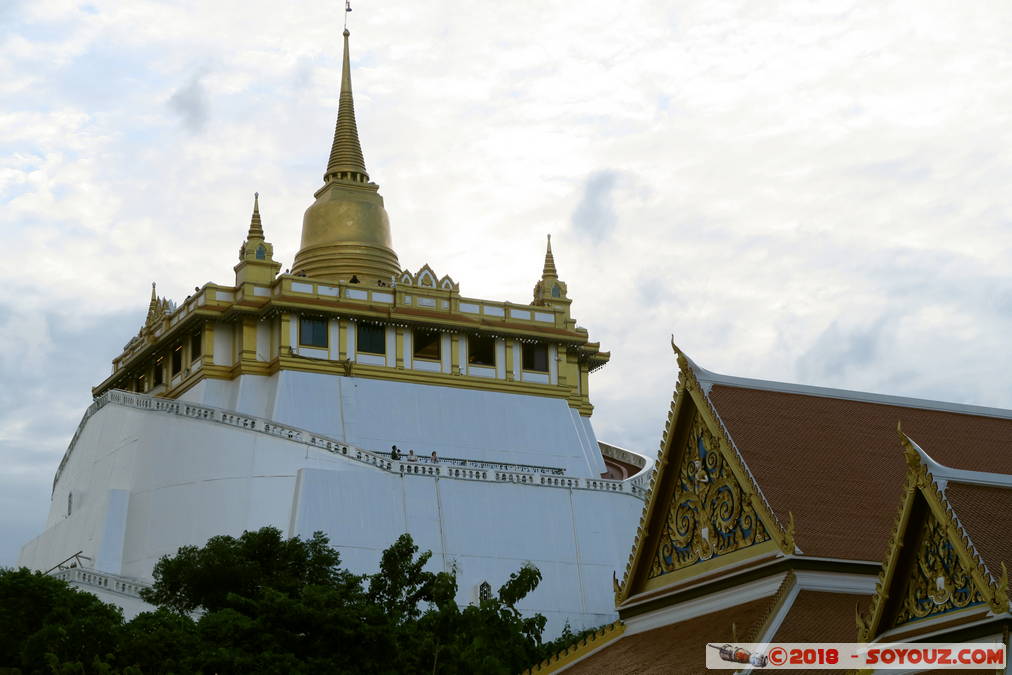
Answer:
[(946, 474), (709, 378), (761, 626)]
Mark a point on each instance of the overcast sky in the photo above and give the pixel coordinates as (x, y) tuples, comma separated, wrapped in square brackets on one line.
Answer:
[(804, 192)]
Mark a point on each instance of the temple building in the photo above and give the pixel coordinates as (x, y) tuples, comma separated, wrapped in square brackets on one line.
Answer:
[(275, 399), (789, 513)]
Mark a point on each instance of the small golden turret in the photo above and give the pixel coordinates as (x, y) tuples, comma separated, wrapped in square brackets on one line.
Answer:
[(256, 227), (549, 271), (256, 255), (550, 292), (346, 232)]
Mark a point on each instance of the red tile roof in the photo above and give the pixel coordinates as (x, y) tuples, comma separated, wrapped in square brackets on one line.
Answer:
[(821, 617), (837, 465), (677, 649), (986, 513)]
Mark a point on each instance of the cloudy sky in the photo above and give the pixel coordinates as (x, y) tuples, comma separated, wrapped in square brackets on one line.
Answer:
[(808, 192)]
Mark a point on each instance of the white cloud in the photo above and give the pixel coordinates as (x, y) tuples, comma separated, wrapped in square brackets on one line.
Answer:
[(804, 191)]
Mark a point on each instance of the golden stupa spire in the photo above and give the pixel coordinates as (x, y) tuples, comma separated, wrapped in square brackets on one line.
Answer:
[(346, 160), (549, 270), (346, 231), (256, 228)]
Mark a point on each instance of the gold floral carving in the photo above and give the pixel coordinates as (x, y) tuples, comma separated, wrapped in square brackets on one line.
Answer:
[(937, 582), (710, 514)]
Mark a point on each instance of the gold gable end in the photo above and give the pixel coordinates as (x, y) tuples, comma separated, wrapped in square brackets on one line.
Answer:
[(704, 510), (710, 514), (936, 580)]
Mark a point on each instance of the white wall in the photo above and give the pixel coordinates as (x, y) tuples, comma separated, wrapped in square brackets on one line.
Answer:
[(455, 422), (146, 483), (577, 538)]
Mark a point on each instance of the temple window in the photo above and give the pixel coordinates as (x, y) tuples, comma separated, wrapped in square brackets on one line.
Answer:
[(556, 291), (139, 384), (70, 503), (313, 332), (159, 371), (177, 359), (427, 345), (535, 357), (195, 346), (372, 339), (261, 252), (481, 350)]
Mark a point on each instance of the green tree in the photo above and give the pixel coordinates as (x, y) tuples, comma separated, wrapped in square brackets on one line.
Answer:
[(491, 637), (203, 577), (158, 642), (47, 626), (260, 603), (275, 605)]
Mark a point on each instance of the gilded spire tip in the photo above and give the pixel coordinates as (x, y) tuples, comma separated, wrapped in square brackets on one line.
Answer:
[(549, 270), (256, 228), (346, 161)]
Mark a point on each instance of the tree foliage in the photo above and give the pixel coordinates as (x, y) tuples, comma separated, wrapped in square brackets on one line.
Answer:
[(260, 603)]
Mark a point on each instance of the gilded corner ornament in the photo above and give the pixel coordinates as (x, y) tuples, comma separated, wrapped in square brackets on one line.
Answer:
[(861, 622), (1001, 599), (789, 543)]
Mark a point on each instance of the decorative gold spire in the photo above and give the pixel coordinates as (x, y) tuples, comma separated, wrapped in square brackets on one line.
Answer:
[(157, 308), (346, 161), (551, 292), (256, 228), (550, 270), (256, 255), (346, 231)]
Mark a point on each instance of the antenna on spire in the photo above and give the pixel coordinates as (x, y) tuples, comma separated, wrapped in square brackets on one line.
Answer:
[(347, 9)]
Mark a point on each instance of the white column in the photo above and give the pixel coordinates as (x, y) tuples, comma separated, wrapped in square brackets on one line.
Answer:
[(500, 359), (391, 338), (445, 351)]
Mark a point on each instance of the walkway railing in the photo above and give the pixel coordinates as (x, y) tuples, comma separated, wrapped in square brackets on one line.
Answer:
[(484, 464), (456, 468), (103, 580)]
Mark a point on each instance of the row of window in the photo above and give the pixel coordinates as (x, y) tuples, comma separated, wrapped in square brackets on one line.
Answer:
[(371, 339), (175, 362)]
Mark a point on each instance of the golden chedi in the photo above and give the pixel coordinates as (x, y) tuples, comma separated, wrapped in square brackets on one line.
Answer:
[(346, 232)]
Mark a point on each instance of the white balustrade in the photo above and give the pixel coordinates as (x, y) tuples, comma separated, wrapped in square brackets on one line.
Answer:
[(103, 580), (450, 467)]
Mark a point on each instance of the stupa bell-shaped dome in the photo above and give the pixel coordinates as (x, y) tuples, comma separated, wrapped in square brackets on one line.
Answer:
[(346, 231)]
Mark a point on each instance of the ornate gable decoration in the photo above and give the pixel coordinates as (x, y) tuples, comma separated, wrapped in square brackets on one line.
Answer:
[(426, 278), (931, 566), (158, 309), (703, 501), (710, 513), (937, 582)]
